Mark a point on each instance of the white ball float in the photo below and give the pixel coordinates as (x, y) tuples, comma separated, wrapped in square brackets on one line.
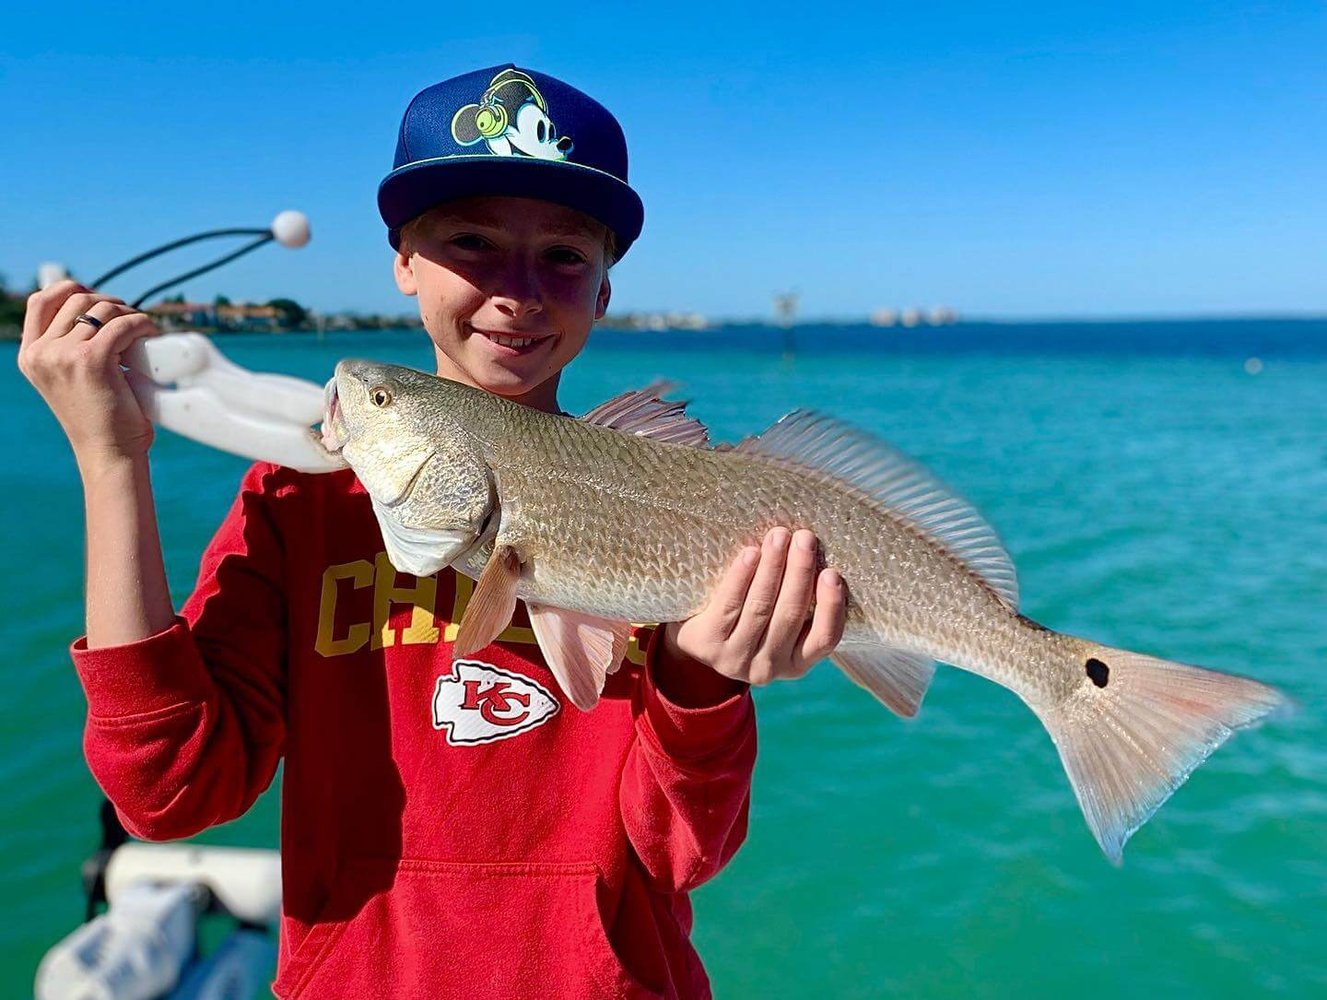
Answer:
[(291, 229)]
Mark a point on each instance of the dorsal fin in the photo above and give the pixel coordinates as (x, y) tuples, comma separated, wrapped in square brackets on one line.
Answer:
[(823, 444), (642, 412)]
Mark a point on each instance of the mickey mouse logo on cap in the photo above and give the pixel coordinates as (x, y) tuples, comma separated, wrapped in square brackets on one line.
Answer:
[(512, 119)]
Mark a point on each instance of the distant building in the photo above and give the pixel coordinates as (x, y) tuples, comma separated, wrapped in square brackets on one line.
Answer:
[(184, 315), (241, 318), (939, 316), (248, 318), (655, 321)]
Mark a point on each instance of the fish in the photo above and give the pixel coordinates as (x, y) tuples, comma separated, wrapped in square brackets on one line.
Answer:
[(629, 514)]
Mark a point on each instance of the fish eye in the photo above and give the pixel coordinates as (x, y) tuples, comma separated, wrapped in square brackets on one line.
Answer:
[(380, 396)]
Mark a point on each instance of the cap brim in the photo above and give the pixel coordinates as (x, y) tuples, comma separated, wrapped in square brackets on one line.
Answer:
[(413, 189)]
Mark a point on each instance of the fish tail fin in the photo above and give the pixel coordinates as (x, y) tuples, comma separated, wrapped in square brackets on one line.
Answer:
[(1137, 726)]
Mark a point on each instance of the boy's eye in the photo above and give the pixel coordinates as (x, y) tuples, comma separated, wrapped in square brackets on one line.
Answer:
[(469, 241), (565, 255)]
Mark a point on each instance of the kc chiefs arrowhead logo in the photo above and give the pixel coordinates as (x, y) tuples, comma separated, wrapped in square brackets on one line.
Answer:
[(478, 703)]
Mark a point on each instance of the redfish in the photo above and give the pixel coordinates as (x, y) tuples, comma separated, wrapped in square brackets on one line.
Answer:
[(628, 515)]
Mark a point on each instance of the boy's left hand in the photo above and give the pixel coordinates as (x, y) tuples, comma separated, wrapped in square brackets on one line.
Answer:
[(756, 627)]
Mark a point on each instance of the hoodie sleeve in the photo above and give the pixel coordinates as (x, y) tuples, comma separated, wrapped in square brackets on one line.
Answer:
[(686, 786), (185, 728)]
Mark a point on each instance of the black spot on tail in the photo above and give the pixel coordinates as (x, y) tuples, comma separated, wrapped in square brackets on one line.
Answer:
[(1098, 672)]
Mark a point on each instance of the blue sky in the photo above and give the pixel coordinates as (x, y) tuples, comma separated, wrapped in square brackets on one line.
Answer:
[(1008, 160)]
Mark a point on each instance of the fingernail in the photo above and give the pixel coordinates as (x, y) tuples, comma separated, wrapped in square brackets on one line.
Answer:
[(832, 578), (806, 540), (750, 555), (777, 538)]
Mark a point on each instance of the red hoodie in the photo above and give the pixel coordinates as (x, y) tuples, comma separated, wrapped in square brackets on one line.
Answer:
[(449, 829)]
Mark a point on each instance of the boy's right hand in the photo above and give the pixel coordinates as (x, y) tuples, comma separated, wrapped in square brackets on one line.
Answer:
[(76, 367)]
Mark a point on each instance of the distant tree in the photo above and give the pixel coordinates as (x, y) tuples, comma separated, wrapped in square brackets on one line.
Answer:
[(221, 300), (175, 298), (290, 314), (11, 309)]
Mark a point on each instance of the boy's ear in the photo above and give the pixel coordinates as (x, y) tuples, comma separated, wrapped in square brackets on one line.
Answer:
[(605, 293), (404, 273)]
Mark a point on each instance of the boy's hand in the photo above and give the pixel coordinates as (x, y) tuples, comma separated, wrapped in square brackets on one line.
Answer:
[(75, 365), (756, 627)]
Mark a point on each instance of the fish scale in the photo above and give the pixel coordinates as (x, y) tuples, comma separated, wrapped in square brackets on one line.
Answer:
[(915, 601)]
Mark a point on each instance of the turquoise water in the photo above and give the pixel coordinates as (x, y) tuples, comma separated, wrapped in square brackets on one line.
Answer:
[(1153, 494)]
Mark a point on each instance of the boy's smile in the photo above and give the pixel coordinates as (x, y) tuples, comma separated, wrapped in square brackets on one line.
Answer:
[(508, 290), (513, 344)]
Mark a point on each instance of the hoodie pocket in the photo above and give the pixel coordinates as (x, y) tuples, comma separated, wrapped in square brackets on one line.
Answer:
[(464, 930)]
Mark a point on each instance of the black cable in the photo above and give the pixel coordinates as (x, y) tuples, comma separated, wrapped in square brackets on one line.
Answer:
[(167, 247), (204, 269)]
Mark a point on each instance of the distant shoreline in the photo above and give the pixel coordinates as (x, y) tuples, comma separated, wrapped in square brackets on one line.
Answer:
[(859, 328)]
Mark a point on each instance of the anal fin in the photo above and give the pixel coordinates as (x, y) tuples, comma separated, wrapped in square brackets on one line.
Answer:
[(491, 605), (581, 650), (896, 677)]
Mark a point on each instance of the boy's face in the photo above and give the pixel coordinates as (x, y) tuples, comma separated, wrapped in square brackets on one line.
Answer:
[(508, 290)]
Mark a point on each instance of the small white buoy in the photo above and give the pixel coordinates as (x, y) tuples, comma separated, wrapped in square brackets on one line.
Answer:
[(1252, 366), (291, 229)]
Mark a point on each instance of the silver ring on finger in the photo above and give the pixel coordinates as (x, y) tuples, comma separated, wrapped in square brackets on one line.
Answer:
[(92, 321)]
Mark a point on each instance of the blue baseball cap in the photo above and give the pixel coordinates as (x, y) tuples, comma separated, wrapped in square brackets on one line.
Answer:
[(509, 131)]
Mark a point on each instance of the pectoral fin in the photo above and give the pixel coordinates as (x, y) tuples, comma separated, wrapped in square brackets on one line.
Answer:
[(491, 605), (581, 650)]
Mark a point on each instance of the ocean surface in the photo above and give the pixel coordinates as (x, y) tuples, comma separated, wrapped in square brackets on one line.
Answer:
[(1157, 490)]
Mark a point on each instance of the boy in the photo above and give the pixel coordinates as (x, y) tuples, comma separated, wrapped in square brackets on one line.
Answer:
[(448, 828)]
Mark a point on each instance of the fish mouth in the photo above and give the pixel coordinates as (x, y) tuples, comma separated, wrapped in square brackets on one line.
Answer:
[(334, 434)]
